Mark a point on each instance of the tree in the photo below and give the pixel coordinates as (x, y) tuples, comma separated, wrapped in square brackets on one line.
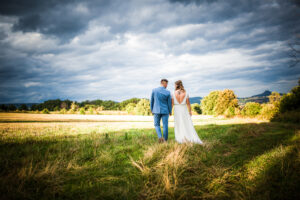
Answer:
[(63, 105), (251, 109), (23, 107), (63, 111), (74, 107), (12, 107), (196, 108), (226, 99), (143, 107), (82, 111), (209, 102), (123, 104), (130, 108), (274, 98), (295, 51), (45, 111), (290, 101), (3, 107), (268, 110)]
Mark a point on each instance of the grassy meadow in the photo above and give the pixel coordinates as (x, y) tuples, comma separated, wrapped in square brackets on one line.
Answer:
[(97, 157)]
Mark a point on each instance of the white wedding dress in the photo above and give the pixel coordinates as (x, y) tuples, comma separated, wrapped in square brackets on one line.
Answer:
[(183, 124)]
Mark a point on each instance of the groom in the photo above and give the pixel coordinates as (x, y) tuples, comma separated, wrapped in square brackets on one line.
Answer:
[(161, 107)]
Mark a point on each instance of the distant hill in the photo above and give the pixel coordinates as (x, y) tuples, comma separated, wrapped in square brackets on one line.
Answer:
[(195, 100), (259, 98), (264, 94)]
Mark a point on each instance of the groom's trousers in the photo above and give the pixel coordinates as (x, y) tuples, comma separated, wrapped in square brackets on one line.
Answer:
[(165, 118)]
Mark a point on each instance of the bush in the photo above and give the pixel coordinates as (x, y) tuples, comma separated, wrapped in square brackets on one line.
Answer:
[(237, 111), (268, 111), (99, 109), (23, 107), (226, 99), (230, 112), (45, 111), (143, 107), (290, 101), (289, 107), (196, 108), (131, 101), (251, 109), (74, 107), (289, 116), (91, 110), (209, 102), (82, 111), (56, 108), (274, 98), (63, 111), (130, 108), (217, 102)]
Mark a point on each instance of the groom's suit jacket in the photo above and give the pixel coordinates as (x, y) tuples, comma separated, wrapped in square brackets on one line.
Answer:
[(161, 102)]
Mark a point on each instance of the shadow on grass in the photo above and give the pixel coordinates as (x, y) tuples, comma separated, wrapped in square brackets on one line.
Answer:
[(97, 165)]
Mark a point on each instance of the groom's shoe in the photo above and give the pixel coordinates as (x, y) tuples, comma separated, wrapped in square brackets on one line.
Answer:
[(161, 140)]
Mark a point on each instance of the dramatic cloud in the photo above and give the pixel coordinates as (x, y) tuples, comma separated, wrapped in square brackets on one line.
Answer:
[(121, 49)]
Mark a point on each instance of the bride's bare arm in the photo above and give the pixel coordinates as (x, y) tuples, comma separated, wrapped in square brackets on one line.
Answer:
[(189, 105)]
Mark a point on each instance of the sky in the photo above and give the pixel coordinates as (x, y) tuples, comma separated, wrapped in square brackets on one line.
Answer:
[(116, 50)]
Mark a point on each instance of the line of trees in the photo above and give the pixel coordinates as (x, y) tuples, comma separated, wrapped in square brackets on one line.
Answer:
[(133, 106), (279, 108), (220, 102)]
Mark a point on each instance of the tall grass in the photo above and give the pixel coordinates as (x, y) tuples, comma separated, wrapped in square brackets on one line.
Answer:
[(241, 161)]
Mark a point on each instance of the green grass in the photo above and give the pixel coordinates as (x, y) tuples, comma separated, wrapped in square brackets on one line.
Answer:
[(241, 161)]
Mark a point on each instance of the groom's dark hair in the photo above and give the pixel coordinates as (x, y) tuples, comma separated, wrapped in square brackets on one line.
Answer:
[(164, 80)]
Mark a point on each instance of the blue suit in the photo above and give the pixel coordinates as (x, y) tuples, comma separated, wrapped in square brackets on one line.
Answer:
[(161, 107)]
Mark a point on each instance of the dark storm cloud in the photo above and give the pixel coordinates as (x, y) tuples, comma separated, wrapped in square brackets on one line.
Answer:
[(55, 17), (91, 49)]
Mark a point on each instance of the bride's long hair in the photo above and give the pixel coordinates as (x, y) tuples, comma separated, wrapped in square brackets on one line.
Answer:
[(179, 86)]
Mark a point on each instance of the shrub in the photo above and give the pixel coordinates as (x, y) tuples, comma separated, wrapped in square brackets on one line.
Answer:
[(131, 101), (12, 107), (63, 111), (217, 102), (290, 101), (99, 109), (289, 107), (274, 98), (268, 111), (130, 108), (91, 110), (209, 102), (23, 107), (71, 111), (45, 111), (251, 109), (73, 107), (289, 116), (56, 108), (196, 108), (237, 111), (82, 111), (230, 112), (143, 107), (226, 99)]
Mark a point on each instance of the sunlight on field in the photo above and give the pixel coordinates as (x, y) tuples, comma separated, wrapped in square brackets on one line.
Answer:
[(117, 157), (27, 125)]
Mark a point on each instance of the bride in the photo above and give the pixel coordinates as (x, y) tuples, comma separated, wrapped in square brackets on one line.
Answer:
[(183, 125)]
